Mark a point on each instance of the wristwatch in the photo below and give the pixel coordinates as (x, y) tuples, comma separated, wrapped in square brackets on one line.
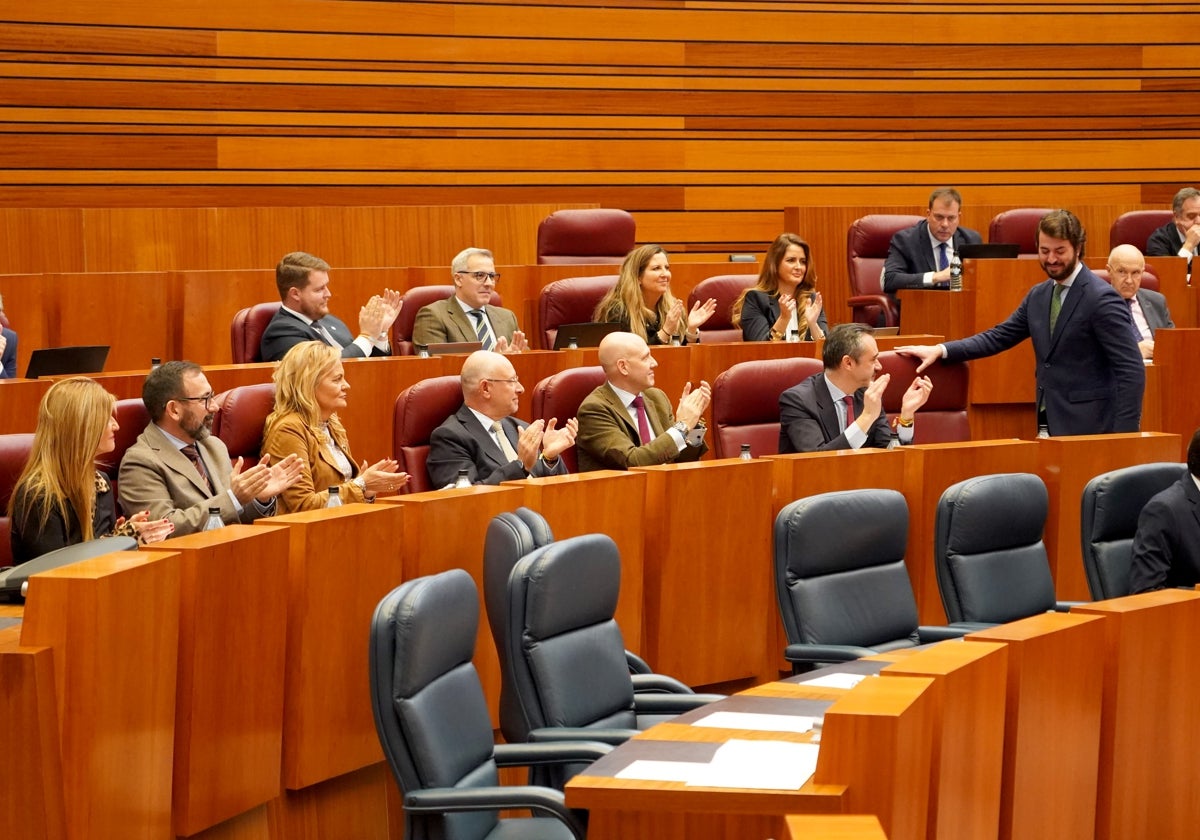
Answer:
[(681, 427)]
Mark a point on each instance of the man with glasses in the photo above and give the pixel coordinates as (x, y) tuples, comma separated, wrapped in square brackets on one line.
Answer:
[(178, 470), (919, 256), (467, 315), (1147, 308), (485, 439)]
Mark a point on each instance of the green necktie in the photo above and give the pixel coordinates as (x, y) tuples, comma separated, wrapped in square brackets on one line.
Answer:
[(1055, 305)]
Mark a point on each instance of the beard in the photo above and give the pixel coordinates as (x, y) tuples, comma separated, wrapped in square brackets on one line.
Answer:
[(1061, 271), (201, 430)]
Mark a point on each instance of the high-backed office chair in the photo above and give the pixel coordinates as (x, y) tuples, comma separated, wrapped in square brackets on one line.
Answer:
[(597, 235), (724, 289), (433, 722), (989, 556), (840, 579), (413, 301), (132, 417), (572, 300), (14, 454), (867, 243), (1149, 278), (745, 404), (420, 409), (1134, 228), (560, 394), (246, 331), (943, 418), (239, 419), (1018, 227), (1110, 506)]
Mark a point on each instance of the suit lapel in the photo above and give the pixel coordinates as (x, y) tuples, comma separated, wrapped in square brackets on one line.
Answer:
[(487, 444), (615, 405), (827, 412), (1069, 305), (462, 322), (175, 460)]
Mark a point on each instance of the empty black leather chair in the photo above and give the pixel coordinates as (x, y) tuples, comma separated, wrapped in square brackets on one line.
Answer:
[(840, 578), (1109, 512), (989, 555), (433, 722)]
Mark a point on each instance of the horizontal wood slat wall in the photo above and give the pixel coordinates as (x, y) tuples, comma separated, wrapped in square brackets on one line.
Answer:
[(667, 108)]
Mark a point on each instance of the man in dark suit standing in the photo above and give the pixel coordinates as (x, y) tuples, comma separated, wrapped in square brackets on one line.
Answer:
[(303, 283), (485, 439), (8, 350), (467, 315), (1090, 374), (842, 407), (919, 257), (1166, 547), (1147, 308), (1181, 236), (626, 422)]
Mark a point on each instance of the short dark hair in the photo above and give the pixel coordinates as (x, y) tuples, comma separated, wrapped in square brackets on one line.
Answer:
[(945, 192), (293, 270), (844, 340), (165, 383), (1194, 454), (1063, 224)]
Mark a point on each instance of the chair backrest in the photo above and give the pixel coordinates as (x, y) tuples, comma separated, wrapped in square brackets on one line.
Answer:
[(1018, 227), (598, 235), (240, 417), (419, 410), (428, 702), (867, 243), (724, 289), (840, 577), (562, 643), (510, 536), (572, 300), (1110, 507), (414, 300), (943, 418), (988, 552), (559, 396), (745, 403), (14, 453), (246, 331), (1134, 228), (1149, 278), (132, 417)]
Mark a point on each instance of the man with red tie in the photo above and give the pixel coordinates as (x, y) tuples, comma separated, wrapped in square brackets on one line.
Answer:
[(842, 407), (626, 422)]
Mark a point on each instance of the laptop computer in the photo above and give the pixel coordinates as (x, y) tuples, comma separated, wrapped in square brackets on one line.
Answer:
[(448, 348), (587, 334), (58, 361), (886, 331), (989, 251)]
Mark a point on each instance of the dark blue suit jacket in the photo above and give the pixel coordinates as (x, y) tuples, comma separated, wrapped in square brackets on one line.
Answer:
[(1090, 373), (910, 256), (1166, 548), (8, 363), (808, 420), (285, 331)]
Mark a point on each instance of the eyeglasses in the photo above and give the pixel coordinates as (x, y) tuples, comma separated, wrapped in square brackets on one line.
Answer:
[(203, 398), (514, 381), (481, 276)]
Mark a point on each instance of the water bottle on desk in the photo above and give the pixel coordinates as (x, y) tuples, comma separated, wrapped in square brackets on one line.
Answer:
[(955, 272), (214, 520), (335, 497), (462, 480)]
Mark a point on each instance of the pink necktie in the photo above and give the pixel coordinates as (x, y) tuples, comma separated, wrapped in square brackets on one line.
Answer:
[(643, 421), (849, 401)]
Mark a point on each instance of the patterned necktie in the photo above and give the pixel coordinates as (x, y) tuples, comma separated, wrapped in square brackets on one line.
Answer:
[(502, 442), (481, 329), (193, 455), (325, 334), (849, 401), (1137, 334), (643, 421), (1055, 305), (943, 260)]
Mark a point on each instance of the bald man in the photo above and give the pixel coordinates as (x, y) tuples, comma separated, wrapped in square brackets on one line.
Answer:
[(483, 437), (627, 422), (1147, 308)]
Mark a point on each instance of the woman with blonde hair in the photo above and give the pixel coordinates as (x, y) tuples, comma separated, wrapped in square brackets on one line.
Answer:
[(785, 299), (310, 386), (60, 498), (642, 302)]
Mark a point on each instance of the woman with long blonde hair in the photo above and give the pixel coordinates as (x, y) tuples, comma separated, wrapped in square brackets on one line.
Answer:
[(60, 498), (785, 298), (310, 386), (642, 302)]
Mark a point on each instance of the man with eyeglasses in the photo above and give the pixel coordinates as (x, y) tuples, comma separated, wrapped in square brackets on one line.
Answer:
[(1147, 308), (919, 256), (468, 315), (485, 439), (178, 470)]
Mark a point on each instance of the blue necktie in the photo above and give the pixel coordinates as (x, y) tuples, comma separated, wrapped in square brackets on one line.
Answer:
[(943, 260)]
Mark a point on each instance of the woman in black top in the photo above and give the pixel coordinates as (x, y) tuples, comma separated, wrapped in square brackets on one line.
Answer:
[(785, 298), (642, 302)]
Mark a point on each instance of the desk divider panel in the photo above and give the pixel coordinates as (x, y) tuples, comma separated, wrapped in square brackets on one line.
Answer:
[(1175, 352), (841, 827)]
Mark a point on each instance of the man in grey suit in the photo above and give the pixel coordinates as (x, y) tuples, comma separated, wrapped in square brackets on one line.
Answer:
[(177, 470), (485, 439), (919, 256), (467, 315), (1147, 308)]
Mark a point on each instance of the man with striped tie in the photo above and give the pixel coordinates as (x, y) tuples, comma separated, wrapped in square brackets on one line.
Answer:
[(467, 315)]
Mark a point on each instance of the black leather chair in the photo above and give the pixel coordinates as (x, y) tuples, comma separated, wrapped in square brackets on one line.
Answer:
[(840, 578), (433, 722), (1111, 504), (989, 555)]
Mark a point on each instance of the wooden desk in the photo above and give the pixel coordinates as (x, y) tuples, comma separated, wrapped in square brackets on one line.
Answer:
[(806, 827)]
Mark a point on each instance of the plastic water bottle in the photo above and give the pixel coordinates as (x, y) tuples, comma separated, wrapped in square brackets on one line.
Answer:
[(214, 519), (335, 497), (955, 273), (572, 343), (422, 351), (745, 453), (793, 336), (155, 363), (462, 480)]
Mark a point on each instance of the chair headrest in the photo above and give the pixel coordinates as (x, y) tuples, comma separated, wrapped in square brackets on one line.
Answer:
[(995, 512), (435, 623), (843, 531), (571, 583)]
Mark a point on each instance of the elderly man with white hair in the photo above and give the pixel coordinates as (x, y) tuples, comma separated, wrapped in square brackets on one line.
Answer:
[(1147, 308)]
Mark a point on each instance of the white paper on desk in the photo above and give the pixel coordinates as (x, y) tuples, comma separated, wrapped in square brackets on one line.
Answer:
[(759, 722), (838, 680), (771, 765), (662, 771)]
